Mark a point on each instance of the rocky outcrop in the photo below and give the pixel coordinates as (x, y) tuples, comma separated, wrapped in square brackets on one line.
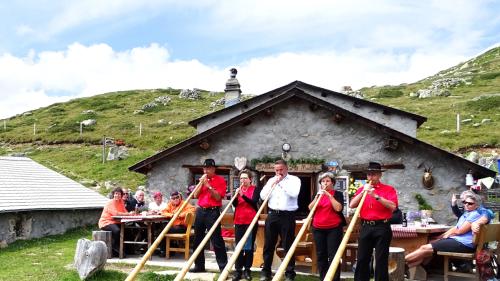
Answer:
[(439, 88), (90, 257), (193, 94)]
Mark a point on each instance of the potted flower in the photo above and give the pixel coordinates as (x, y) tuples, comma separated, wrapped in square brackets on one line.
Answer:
[(423, 206)]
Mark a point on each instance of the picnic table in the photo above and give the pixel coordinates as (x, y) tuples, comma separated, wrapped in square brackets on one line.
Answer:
[(145, 221)]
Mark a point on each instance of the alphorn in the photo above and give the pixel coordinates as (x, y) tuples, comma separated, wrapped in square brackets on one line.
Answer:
[(340, 251), (132, 275), (201, 247), (291, 251), (241, 243)]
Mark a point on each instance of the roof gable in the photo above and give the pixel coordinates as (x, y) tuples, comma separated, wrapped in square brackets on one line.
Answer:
[(26, 185), (257, 100)]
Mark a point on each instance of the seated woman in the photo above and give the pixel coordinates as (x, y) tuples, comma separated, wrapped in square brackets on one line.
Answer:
[(115, 207), (457, 239)]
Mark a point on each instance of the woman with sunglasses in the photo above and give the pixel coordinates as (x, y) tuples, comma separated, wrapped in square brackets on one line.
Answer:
[(245, 210), (457, 239), (173, 205)]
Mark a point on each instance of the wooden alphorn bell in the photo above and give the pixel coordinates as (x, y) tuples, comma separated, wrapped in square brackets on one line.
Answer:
[(132, 275), (340, 251), (201, 247), (291, 251), (241, 243)]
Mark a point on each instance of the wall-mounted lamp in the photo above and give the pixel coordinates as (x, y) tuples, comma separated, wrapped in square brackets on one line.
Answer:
[(286, 147), (469, 179)]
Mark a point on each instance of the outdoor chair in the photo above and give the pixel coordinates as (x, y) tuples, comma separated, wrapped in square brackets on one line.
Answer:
[(487, 233), (181, 237)]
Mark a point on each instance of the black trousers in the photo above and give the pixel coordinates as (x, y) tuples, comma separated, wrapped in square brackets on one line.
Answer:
[(204, 220), (282, 224), (378, 237), (115, 237), (327, 242), (245, 258)]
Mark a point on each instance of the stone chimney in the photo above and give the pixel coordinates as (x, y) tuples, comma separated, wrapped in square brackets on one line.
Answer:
[(233, 91)]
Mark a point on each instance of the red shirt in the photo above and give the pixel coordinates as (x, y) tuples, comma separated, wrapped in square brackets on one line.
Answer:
[(205, 200), (244, 212), (325, 216), (373, 209)]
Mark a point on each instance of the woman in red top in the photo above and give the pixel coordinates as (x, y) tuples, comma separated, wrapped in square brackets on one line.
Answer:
[(115, 207), (328, 221), (245, 210)]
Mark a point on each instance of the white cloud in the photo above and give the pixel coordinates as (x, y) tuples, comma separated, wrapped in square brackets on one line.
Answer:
[(41, 79)]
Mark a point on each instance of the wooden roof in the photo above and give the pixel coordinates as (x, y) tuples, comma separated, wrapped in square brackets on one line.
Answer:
[(26, 185)]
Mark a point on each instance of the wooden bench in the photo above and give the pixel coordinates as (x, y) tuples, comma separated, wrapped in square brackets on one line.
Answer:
[(227, 223), (306, 248), (487, 233)]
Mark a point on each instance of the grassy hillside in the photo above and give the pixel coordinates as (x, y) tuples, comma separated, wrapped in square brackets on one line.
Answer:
[(476, 96), (57, 142)]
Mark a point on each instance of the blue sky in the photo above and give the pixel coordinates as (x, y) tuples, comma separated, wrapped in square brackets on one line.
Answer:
[(52, 51)]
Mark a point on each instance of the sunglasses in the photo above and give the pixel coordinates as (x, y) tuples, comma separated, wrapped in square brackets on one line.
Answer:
[(468, 203), (174, 198)]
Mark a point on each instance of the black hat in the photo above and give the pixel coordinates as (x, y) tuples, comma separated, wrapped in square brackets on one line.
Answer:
[(374, 167), (209, 163)]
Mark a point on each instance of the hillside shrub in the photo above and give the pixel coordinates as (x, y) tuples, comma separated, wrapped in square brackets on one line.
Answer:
[(390, 93), (489, 76), (484, 103)]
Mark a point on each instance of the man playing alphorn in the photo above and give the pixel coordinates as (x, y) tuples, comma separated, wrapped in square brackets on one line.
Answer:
[(209, 203), (281, 217), (376, 231)]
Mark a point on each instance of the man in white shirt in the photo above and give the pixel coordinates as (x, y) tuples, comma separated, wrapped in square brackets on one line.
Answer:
[(157, 205), (280, 221)]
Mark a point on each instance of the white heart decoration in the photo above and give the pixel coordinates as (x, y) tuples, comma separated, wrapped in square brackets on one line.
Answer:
[(240, 163)]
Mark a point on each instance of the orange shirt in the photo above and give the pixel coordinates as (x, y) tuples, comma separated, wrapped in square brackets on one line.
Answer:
[(112, 208), (170, 210)]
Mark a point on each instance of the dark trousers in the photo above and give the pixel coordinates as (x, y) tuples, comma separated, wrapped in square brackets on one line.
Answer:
[(204, 220), (378, 237), (245, 258), (327, 242), (115, 237), (282, 224)]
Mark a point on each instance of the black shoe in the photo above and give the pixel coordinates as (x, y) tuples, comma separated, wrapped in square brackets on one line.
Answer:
[(247, 274), (237, 275), (197, 270), (288, 278), (265, 276), (162, 254)]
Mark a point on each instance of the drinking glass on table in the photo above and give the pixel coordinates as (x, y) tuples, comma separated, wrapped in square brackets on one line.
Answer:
[(424, 219)]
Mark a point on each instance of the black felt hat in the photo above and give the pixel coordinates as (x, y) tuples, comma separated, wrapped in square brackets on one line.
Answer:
[(209, 163), (374, 167)]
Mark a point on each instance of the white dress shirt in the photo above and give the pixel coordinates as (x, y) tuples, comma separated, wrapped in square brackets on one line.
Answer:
[(154, 207), (285, 194)]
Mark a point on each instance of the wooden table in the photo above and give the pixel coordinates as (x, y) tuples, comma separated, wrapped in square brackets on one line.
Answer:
[(147, 221), (411, 237)]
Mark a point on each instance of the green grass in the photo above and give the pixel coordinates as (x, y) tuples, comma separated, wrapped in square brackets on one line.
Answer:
[(51, 258)]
